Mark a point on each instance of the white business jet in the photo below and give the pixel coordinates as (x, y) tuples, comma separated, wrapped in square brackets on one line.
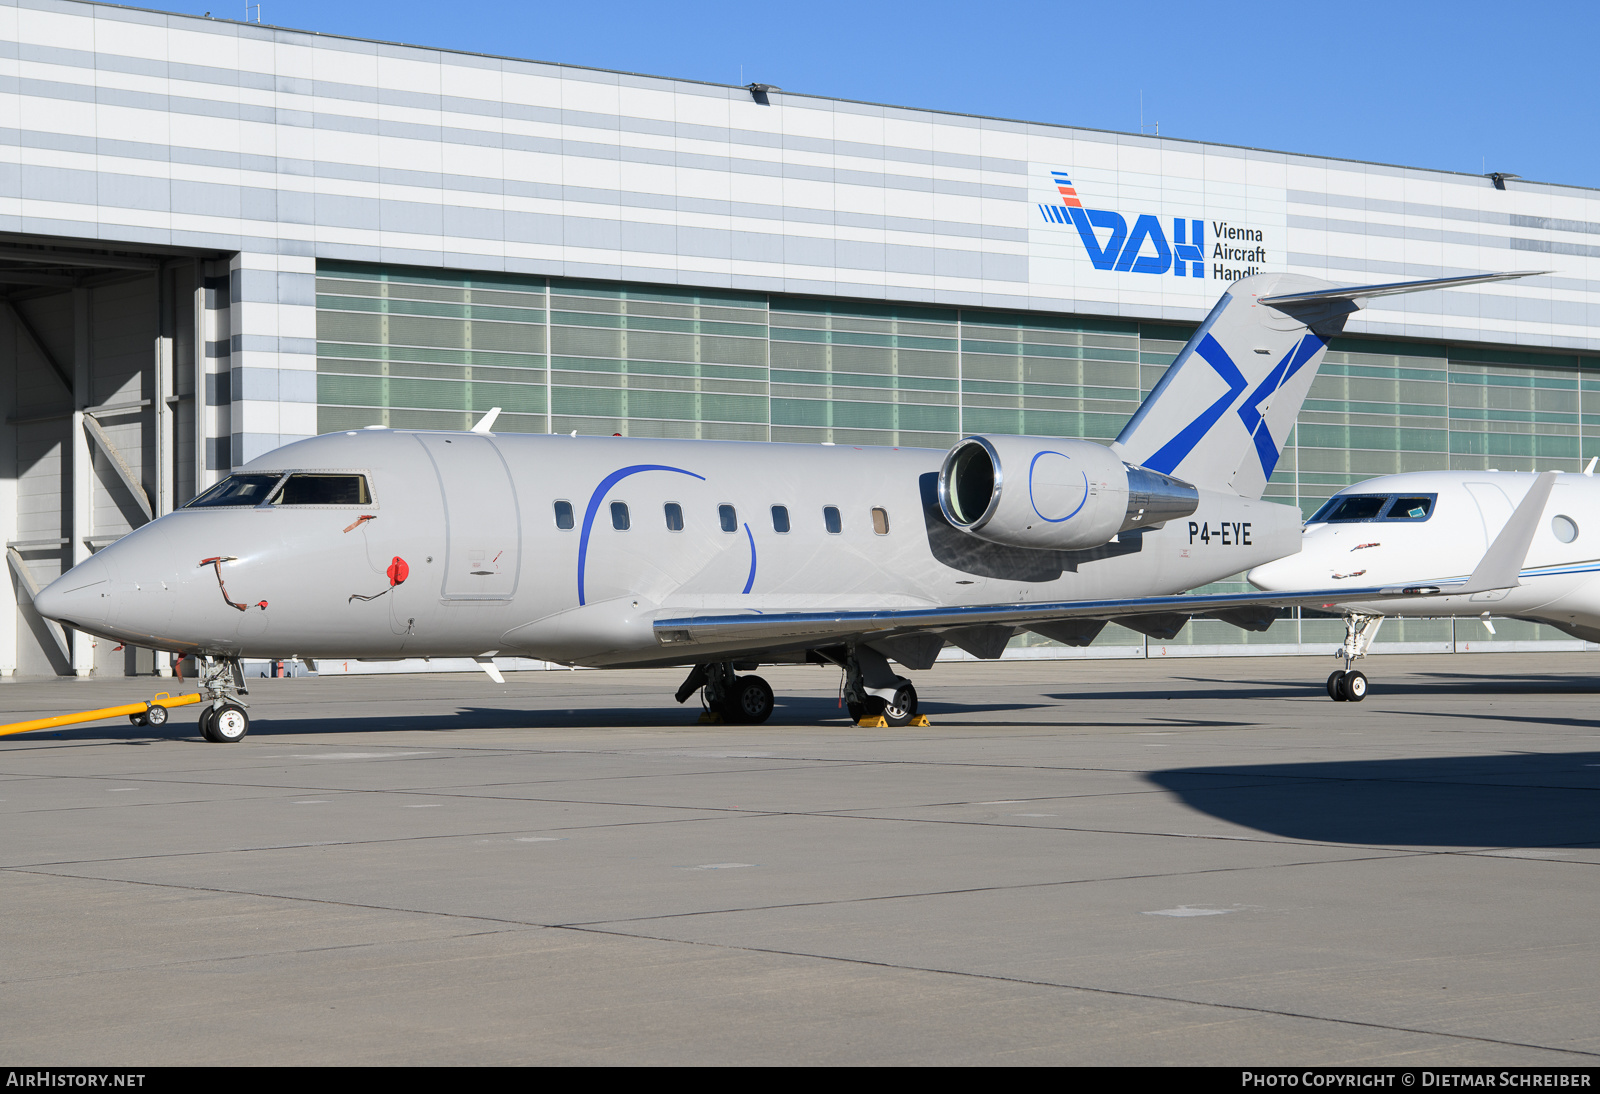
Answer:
[(1439, 522), (723, 556)]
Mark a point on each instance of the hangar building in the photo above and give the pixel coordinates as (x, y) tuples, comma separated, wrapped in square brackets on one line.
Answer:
[(217, 237)]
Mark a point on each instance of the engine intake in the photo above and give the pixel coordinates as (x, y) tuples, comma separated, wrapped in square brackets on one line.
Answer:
[(1053, 494)]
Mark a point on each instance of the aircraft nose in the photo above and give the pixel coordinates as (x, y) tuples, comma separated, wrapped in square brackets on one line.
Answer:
[(1283, 573), (80, 597)]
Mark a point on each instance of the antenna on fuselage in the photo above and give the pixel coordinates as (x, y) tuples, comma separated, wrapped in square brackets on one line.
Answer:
[(487, 421), (1590, 469)]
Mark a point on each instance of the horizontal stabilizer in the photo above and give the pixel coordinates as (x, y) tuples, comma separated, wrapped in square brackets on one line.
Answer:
[(1363, 292)]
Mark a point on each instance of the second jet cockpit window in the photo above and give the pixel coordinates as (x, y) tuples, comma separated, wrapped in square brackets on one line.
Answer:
[(1350, 508)]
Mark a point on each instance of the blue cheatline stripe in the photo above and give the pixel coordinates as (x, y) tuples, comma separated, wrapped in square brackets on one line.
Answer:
[(1266, 448), (594, 507), (751, 580), (1174, 451)]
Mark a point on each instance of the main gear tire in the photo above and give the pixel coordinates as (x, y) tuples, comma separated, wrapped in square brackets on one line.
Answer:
[(749, 701), (902, 708)]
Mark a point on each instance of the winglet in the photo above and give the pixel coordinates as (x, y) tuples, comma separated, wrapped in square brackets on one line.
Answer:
[(486, 422), (1501, 565)]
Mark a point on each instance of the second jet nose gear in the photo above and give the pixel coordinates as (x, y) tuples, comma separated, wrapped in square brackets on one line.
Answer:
[(1346, 685)]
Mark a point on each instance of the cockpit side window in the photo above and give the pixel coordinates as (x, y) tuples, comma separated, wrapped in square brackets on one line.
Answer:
[(1418, 507), (324, 488), (241, 490)]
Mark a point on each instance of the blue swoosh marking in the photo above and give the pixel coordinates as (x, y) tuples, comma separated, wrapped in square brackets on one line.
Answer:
[(1266, 448), (1069, 516), (594, 507), (1174, 451), (751, 580)]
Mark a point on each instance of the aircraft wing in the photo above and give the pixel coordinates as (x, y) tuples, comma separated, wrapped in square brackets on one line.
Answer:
[(747, 630), (1500, 568)]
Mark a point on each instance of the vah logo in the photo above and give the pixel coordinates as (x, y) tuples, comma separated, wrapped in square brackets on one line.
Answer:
[(1145, 249)]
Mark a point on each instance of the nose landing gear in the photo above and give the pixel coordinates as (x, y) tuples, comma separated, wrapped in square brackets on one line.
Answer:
[(1346, 685), (223, 720)]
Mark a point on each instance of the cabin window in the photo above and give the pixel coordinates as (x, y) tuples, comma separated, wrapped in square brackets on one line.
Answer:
[(830, 519), (619, 515), (563, 514), (880, 521), (674, 513), (780, 518), (320, 488), (729, 518), (1564, 527), (238, 490)]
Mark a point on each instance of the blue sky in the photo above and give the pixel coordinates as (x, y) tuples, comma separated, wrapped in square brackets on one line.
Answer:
[(1462, 86)]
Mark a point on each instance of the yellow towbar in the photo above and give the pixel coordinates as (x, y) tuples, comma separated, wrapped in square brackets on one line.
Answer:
[(162, 700)]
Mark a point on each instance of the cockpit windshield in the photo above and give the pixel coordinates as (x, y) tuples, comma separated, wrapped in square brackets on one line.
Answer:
[(238, 490), (1350, 508), (298, 488)]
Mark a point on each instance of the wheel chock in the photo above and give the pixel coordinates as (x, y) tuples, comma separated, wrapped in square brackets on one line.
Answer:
[(876, 721), (710, 718), (920, 720)]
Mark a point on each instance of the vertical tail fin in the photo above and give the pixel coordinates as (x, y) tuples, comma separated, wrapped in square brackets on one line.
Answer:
[(1220, 416)]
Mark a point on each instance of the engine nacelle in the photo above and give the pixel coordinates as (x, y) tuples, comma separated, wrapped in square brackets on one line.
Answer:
[(1053, 494)]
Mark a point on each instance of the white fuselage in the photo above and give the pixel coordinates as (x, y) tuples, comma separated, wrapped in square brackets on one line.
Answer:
[(1465, 510), (491, 565)]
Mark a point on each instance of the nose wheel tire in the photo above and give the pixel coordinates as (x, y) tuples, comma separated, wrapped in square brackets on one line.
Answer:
[(225, 726), (749, 701), (1353, 688), (1333, 686)]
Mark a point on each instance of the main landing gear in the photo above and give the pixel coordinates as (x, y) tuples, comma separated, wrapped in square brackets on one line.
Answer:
[(743, 699), (1346, 685), (873, 690), (223, 720)]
